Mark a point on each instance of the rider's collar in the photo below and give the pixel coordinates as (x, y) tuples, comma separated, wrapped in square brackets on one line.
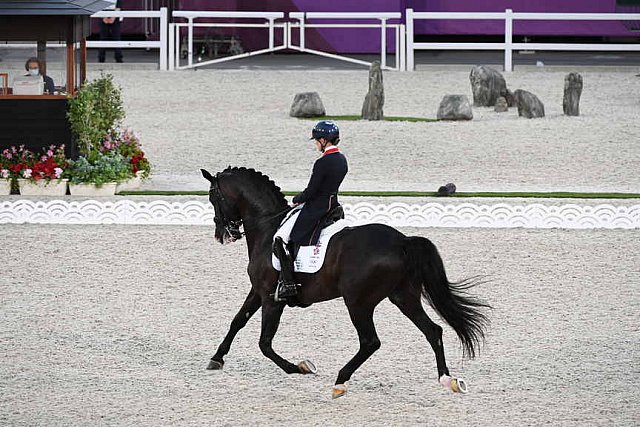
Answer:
[(331, 149)]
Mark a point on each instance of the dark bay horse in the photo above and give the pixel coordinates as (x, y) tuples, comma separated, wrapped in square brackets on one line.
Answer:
[(364, 265)]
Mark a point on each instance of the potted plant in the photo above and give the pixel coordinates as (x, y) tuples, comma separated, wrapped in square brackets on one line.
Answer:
[(41, 175), (5, 172), (98, 174), (126, 143), (95, 116)]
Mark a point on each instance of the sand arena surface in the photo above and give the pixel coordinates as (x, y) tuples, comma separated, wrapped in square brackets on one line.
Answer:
[(117, 326), (213, 118)]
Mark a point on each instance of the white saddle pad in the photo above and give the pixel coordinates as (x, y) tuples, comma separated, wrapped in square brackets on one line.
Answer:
[(311, 258)]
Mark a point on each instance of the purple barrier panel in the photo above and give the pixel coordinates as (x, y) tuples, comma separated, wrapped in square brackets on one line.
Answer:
[(546, 28)]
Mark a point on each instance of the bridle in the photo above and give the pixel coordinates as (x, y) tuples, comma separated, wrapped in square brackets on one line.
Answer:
[(232, 226)]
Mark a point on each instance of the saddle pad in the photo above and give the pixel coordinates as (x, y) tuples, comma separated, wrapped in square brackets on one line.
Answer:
[(311, 258)]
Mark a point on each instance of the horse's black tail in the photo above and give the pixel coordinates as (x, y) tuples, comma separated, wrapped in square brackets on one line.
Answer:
[(450, 300)]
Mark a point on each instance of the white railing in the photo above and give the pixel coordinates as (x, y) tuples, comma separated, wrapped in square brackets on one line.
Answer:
[(176, 28), (383, 17), (161, 44), (508, 16)]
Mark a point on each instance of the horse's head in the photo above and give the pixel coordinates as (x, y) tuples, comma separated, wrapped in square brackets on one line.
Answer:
[(227, 216)]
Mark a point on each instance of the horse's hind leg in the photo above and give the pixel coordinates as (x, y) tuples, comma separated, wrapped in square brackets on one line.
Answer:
[(248, 309), (409, 304), (362, 319)]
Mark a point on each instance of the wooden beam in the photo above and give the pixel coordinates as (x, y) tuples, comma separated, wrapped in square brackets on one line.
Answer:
[(71, 68), (42, 55), (83, 60)]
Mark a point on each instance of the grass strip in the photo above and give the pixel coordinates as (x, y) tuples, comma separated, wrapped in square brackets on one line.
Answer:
[(353, 118), (499, 195)]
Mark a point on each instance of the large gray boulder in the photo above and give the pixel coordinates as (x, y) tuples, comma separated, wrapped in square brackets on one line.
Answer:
[(529, 105), (487, 86), (455, 107), (572, 92), (307, 104), (374, 101)]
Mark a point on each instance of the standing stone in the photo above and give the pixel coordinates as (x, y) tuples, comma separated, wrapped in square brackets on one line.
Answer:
[(307, 104), (374, 101), (487, 86), (572, 92), (455, 107), (529, 105), (501, 105)]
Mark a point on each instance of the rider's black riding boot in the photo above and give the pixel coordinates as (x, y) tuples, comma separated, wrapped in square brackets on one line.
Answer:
[(286, 286)]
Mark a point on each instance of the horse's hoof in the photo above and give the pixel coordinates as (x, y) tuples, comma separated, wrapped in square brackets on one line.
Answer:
[(306, 367), (457, 385), (215, 365), (338, 390)]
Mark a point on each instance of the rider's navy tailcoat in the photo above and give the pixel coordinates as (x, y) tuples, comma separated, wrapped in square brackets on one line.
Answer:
[(320, 196)]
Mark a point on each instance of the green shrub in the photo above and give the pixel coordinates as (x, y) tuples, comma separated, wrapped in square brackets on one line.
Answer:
[(99, 168), (96, 111)]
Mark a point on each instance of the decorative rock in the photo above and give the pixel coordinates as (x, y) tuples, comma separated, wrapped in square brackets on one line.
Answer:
[(529, 105), (374, 101), (455, 107), (307, 104), (501, 105), (487, 85), (572, 92)]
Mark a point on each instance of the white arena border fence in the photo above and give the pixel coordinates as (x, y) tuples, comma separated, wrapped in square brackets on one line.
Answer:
[(463, 215), (175, 30), (383, 17), (162, 14), (508, 16)]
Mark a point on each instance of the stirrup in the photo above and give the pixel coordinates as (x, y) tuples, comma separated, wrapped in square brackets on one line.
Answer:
[(284, 291)]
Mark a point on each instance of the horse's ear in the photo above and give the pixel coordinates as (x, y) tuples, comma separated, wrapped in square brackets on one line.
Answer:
[(207, 175)]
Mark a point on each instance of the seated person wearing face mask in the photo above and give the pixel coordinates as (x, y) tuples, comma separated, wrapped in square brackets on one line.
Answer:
[(33, 68)]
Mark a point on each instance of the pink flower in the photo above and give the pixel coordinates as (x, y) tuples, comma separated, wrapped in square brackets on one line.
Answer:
[(8, 155), (4, 173), (43, 158), (50, 153), (27, 173), (58, 172)]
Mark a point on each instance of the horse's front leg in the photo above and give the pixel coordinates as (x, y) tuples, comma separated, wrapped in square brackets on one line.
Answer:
[(271, 313), (248, 309)]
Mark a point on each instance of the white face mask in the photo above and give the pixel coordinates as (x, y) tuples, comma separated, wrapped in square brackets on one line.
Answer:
[(34, 71)]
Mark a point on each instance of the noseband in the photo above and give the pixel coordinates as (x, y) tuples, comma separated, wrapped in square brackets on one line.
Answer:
[(231, 226)]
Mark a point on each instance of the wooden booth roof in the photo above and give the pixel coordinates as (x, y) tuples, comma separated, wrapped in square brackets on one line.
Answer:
[(53, 7), (64, 20)]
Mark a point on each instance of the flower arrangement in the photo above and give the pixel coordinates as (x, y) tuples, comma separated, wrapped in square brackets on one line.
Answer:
[(22, 163), (126, 143)]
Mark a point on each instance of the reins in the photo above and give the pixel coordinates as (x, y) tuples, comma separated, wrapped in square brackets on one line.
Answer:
[(233, 226)]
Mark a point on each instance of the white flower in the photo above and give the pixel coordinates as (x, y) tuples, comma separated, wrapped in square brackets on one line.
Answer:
[(58, 172), (26, 173), (4, 173)]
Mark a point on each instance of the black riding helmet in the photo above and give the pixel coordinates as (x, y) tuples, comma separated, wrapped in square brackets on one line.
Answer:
[(326, 129)]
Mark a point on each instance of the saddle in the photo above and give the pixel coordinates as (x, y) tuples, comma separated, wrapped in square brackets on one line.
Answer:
[(309, 259), (333, 216)]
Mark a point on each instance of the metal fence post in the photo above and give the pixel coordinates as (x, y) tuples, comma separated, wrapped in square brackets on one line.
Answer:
[(508, 40), (190, 49), (383, 42), (409, 22), (172, 47), (403, 51), (302, 31), (163, 38)]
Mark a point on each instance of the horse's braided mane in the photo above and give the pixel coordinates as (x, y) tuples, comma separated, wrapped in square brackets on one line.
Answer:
[(259, 181)]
